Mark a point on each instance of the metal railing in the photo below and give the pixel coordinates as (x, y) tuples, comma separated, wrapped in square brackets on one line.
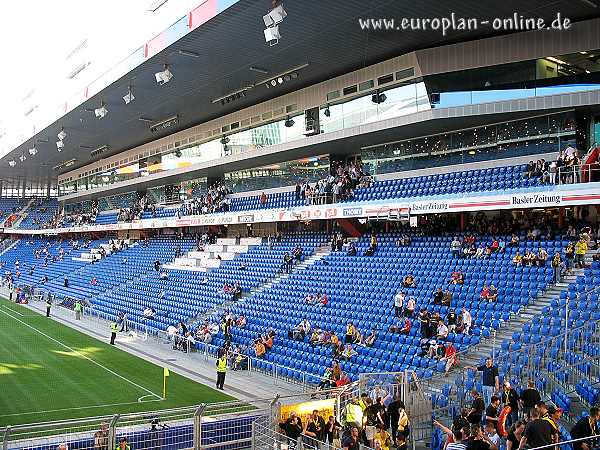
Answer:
[(218, 426)]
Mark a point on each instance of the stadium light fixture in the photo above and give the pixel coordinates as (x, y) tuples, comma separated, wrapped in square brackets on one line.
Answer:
[(289, 123), (12, 163), (62, 135), (101, 112), (22, 158), (33, 151), (378, 98), (275, 16), (129, 97), (60, 145), (272, 35), (164, 76)]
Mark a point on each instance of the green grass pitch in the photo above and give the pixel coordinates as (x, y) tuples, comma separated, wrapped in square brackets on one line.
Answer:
[(49, 371)]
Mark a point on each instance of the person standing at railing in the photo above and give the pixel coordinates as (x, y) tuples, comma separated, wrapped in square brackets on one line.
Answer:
[(557, 264)]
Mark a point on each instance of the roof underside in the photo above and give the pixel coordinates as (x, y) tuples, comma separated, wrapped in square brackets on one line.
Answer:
[(325, 34)]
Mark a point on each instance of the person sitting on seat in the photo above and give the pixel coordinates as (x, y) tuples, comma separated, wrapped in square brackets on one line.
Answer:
[(94, 281), (447, 298), (352, 249), (227, 288), (433, 347), (403, 326), (485, 293), (297, 253), (494, 246), (241, 321), (493, 294), (259, 349), (409, 281), (164, 276), (457, 277), (514, 241), (542, 257), (529, 258), (324, 300), (517, 259), (437, 297), (309, 299), (349, 352), (148, 313), (442, 330), (450, 356), (369, 341)]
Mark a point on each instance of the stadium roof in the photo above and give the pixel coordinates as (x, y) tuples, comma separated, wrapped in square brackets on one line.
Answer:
[(324, 34)]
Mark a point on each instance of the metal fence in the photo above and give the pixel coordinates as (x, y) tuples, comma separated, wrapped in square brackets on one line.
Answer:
[(215, 426)]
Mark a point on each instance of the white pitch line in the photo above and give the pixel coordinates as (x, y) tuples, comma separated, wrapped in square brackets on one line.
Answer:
[(79, 408), (16, 312), (84, 356)]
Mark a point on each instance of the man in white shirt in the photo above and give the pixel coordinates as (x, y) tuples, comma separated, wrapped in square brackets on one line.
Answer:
[(467, 320), (455, 247), (399, 304), (442, 330)]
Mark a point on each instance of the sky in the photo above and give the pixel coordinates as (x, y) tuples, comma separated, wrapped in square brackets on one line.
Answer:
[(37, 36)]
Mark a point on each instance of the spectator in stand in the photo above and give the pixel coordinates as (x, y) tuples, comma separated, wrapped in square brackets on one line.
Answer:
[(263, 199), (287, 262), (451, 320), (529, 397), (586, 427), (485, 293), (515, 433), (542, 257), (510, 398), (514, 241), (438, 296), (490, 379), (94, 281), (493, 294), (292, 427), (517, 259), (424, 322), (477, 408), (447, 298), (581, 249), (352, 249), (539, 431), (491, 434), (314, 430), (399, 304), (456, 247), (411, 304), (442, 330), (409, 281), (457, 277), (450, 356), (403, 326)]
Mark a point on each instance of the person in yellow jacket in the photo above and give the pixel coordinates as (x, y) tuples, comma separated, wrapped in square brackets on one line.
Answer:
[(580, 250), (113, 332), (221, 370)]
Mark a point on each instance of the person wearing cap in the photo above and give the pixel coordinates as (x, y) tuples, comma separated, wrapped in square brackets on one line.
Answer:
[(510, 398)]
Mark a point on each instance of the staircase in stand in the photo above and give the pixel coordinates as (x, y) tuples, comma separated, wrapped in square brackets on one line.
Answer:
[(319, 253)]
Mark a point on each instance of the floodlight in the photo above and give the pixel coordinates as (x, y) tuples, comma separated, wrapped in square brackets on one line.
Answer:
[(12, 163), (275, 16), (22, 158), (62, 135), (289, 123), (33, 151), (101, 112), (164, 76), (272, 35), (128, 98), (60, 145)]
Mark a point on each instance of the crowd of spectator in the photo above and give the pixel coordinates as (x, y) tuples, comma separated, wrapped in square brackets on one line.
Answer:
[(566, 169), (339, 185), (215, 200)]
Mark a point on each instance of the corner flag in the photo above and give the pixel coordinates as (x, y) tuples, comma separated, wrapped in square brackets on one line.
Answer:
[(166, 374)]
